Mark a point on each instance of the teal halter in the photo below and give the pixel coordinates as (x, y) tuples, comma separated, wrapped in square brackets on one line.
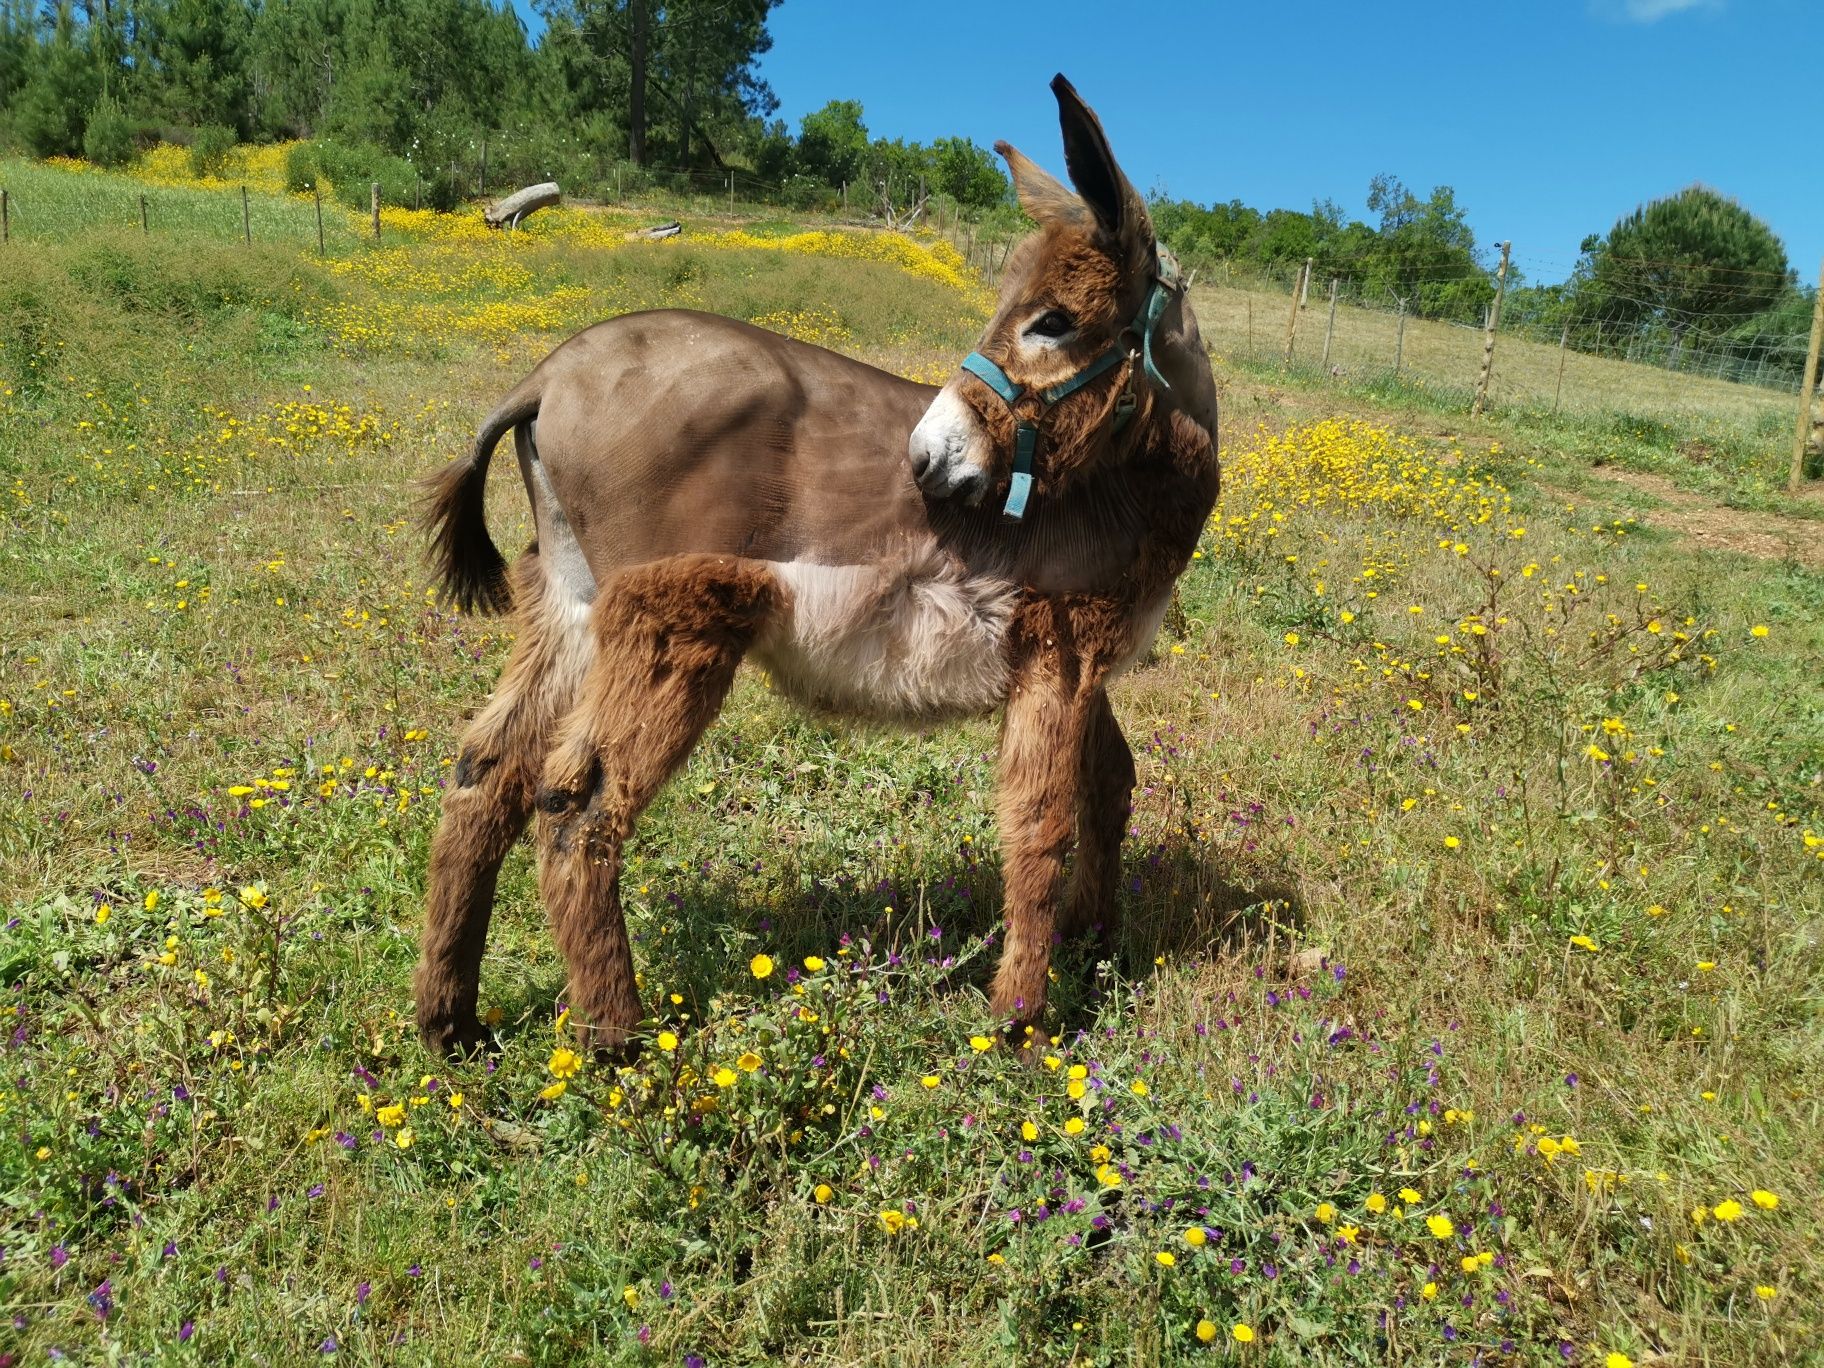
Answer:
[(1026, 431)]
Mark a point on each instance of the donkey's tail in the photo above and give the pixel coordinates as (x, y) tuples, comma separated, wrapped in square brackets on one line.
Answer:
[(472, 570)]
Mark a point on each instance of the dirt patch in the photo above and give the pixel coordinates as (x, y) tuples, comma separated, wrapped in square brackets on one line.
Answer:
[(1767, 535)]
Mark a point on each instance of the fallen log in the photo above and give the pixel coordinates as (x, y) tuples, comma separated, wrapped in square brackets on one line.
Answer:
[(512, 210)]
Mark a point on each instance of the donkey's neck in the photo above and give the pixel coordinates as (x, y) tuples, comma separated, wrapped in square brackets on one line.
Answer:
[(1122, 527)]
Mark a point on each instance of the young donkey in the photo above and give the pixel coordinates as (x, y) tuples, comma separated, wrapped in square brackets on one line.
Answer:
[(703, 491)]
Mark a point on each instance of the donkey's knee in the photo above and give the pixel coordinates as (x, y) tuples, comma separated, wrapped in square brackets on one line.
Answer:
[(473, 766)]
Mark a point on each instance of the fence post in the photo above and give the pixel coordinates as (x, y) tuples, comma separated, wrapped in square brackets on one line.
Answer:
[(374, 194), (1330, 327), (1564, 341), (1292, 315), (1488, 343), (845, 199), (731, 192), (317, 191), (1806, 381), (246, 218), (481, 178), (145, 219), (1304, 287), (1399, 341)]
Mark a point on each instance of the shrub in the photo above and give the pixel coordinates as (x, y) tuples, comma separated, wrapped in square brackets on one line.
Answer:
[(347, 170), (301, 169), (443, 190), (209, 150), (107, 140)]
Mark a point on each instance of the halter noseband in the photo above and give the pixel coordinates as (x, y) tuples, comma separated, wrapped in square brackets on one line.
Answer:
[(1166, 284)]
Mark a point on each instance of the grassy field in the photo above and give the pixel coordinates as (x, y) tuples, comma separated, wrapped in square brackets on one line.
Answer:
[(1468, 1009), (1729, 440)]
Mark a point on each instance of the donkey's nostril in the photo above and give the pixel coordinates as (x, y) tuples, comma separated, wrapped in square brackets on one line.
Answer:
[(920, 464)]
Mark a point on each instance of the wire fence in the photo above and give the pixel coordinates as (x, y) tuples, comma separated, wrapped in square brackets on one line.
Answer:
[(1653, 338)]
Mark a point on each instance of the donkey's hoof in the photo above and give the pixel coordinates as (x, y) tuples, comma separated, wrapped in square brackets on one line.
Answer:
[(1024, 1040), (455, 1039), (608, 1046)]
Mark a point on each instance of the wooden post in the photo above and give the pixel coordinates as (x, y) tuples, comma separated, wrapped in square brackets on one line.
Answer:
[(1399, 341), (1806, 382), (1564, 341), (617, 180), (1304, 287), (481, 179), (317, 191), (1488, 343), (1292, 315), (374, 195), (1330, 327), (731, 192), (246, 218), (145, 219), (845, 199)]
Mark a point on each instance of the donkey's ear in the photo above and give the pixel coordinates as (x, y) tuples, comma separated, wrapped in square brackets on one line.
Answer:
[(1041, 194), (1117, 206)]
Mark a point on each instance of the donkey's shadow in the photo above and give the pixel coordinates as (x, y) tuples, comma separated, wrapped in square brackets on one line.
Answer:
[(695, 931)]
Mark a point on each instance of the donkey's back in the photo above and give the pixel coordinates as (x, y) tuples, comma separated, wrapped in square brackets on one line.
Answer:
[(675, 432)]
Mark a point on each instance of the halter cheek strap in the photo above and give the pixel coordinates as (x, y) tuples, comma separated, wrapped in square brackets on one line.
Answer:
[(1026, 430)]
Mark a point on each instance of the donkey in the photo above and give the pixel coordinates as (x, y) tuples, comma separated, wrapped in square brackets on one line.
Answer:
[(704, 491)]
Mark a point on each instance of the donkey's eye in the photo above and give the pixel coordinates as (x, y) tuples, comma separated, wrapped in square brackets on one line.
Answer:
[(1052, 323)]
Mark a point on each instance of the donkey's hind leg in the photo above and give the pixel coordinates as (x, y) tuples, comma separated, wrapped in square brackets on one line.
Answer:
[(669, 637), (1104, 800), (490, 799)]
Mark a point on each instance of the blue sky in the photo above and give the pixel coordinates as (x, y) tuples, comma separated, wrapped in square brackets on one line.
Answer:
[(1550, 118)]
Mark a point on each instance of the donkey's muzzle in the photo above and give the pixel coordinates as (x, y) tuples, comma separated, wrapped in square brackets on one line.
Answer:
[(945, 451)]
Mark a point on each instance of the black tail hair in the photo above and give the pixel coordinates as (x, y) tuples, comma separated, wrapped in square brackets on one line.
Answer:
[(470, 566)]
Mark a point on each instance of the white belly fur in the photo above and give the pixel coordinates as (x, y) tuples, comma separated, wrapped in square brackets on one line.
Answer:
[(911, 639)]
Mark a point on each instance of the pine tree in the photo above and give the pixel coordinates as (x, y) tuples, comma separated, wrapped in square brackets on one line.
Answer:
[(1693, 262), (63, 87)]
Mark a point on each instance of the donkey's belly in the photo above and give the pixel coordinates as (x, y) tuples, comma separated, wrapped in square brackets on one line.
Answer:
[(911, 639)]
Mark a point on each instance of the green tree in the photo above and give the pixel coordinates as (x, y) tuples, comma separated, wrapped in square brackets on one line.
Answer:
[(1425, 252), (967, 173), (833, 142), (18, 48), (64, 85), (199, 68), (1695, 262), (107, 137), (679, 74)]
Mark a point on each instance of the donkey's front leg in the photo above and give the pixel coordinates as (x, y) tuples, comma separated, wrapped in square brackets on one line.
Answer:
[(1104, 802), (1040, 764)]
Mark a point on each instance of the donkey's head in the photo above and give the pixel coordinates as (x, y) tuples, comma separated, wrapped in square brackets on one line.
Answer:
[(1085, 339)]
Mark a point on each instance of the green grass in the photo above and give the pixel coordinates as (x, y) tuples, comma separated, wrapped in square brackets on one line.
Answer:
[(1730, 441), (51, 205), (215, 599)]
